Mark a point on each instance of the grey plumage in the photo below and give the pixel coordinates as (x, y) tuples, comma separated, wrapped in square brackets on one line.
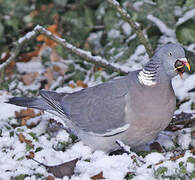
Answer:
[(133, 108)]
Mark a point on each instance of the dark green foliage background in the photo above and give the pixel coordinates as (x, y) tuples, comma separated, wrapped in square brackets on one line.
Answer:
[(79, 18)]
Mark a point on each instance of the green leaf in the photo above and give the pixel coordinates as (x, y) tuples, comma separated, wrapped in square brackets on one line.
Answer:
[(38, 149), (28, 147), (161, 170), (11, 134), (191, 160), (34, 136), (192, 175), (185, 33), (20, 177)]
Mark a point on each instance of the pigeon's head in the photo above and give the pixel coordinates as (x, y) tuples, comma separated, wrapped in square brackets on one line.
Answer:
[(173, 59)]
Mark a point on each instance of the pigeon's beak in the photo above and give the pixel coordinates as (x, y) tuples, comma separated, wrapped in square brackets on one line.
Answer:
[(180, 66)]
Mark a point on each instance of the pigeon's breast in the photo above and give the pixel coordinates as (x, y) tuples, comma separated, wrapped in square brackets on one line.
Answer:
[(149, 110)]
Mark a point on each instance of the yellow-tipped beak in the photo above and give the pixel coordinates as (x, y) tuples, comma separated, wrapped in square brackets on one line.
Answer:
[(187, 65), (184, 63)]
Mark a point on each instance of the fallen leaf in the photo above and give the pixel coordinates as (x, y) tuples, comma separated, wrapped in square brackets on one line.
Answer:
[(24, 120), (50, 177), (81, 84), (156, 146), (25, 57), (25, 113), (72, 85), (31, 155), (98, 176), (65, 169), (27, 79), (21, 138)]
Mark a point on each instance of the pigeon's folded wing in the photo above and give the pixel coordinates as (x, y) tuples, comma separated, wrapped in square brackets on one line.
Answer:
[(99, 110)]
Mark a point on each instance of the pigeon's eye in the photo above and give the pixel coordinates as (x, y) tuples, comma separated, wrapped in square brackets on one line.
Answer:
[(170, 54)]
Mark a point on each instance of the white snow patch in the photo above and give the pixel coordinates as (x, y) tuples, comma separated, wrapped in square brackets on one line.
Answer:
[(184, 138), (154, 158), (126, 28), (62, 136), (7, 110), (112, 34), (28, 67)]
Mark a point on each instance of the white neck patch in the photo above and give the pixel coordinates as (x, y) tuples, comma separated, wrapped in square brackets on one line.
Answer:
[(147, 78)]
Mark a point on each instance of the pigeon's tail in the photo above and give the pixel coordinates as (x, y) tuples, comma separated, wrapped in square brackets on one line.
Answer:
[(30, 102)]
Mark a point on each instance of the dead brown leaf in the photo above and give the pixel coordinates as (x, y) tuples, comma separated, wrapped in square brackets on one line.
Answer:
[(25, 57), (21, 138), (31, 155), (50, 177), (25, 113), (65, 169), (156, 146), (98, 176), (81, 84), (71, 85)]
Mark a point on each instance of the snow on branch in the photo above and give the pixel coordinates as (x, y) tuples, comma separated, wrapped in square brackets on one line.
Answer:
[(18, 46), (133, 24), (86, 55), (161, 25)]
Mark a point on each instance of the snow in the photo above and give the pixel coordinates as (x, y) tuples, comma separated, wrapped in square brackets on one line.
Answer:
[(29, 67), (90, 163), (154, 158), (7, 110), (27, 36), (161, 25), (13, 152), (184, 138), (188, 15), (126, 28), (113, 33)]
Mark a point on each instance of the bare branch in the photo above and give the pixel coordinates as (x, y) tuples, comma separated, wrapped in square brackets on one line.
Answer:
[(136, 28), (86, 55), (176, 157), (18, 46)]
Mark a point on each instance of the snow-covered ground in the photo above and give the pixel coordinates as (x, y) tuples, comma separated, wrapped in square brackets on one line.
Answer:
[(12, 152)]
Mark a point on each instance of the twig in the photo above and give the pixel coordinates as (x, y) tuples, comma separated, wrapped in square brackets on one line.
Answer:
[(18, 46), (86, 55), (175, 157), (135, 27)]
